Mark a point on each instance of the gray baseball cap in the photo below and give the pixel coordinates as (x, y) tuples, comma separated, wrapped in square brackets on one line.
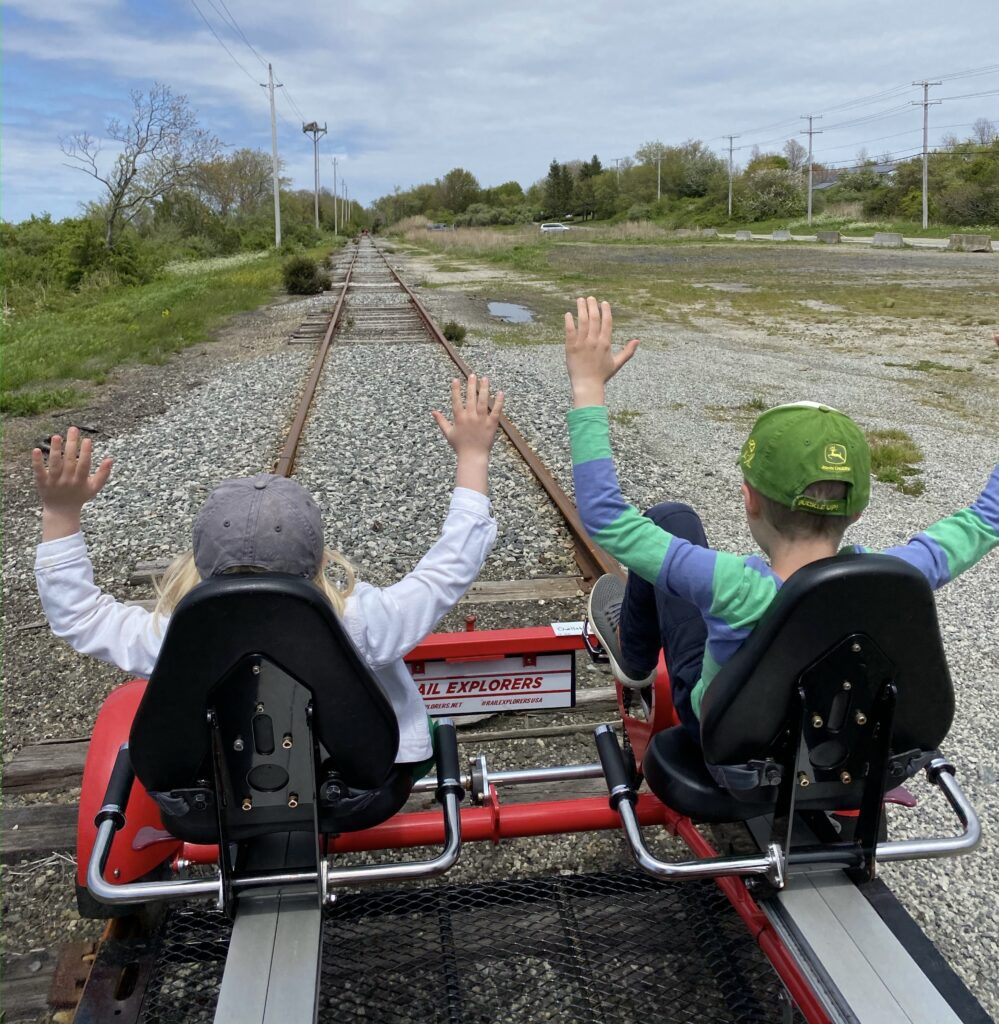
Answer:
[(265, 521)]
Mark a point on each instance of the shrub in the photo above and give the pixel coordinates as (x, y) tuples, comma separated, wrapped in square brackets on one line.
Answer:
[(454, 332), (302, 276)]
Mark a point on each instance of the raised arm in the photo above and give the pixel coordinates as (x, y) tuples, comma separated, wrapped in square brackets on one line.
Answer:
[(65, 485), (589, 355)]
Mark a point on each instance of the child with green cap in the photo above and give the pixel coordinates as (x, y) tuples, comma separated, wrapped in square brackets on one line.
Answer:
[(806, 477)]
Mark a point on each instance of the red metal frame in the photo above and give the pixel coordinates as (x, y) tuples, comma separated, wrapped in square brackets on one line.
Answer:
[(144, 844)]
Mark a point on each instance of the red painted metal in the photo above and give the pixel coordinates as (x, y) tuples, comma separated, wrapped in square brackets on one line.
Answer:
[(486, 644), (759, 927), (143, 843), (493, 823), (662, 715)]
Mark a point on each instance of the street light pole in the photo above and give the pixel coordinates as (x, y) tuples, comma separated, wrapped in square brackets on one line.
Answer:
[(313, 129)]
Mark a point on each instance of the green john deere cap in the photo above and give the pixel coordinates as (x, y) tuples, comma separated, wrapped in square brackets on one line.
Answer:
[(792, 446)]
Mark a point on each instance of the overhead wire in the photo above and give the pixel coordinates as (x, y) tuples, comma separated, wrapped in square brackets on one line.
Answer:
[(222, 44)]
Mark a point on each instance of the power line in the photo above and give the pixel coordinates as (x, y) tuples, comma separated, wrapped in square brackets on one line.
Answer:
[(970, 95), (224, 47), (235, 25)]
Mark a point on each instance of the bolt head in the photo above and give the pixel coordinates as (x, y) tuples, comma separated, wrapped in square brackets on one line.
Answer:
[(847, 685), (817, 722), (845, 777), (860, 718), (803, 780)]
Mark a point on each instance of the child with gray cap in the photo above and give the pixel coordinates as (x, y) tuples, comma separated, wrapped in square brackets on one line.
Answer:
[(806, 478), (268, 523)]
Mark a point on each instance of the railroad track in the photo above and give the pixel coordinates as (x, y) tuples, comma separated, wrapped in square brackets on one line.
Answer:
[(370, 305), (396, 315)]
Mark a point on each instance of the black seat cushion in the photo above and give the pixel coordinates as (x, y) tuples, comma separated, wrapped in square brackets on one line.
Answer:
[(882, 597), (676, 773)]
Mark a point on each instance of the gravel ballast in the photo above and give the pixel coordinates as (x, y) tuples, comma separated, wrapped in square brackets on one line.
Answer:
[(382, 473)]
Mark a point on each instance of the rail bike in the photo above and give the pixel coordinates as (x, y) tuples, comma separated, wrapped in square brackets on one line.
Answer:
[(243, 826)]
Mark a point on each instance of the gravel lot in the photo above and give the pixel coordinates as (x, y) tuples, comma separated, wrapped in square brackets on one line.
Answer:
[(381, 475)]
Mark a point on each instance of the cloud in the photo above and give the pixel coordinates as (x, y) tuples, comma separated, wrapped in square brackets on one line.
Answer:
[(408, 91)]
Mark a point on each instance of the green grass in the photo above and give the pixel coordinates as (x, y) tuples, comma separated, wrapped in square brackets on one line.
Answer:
[(929, 366), (625, 416), (46, 354), (893, 458)]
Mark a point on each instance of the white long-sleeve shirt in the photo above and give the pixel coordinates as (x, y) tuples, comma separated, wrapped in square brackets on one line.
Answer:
[(384, 623)]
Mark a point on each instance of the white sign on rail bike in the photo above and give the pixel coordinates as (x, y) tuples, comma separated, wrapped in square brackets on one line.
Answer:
[(531, 683)]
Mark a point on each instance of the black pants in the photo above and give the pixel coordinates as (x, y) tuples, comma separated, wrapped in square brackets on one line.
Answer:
[(652, 620)]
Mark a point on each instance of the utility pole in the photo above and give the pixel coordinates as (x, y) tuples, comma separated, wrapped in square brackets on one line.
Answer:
[(335, 232), (313, 129), (926, 103), (730, 138), (270, 87), (617, 166), (810, 133), (344, 208), (659, 178)]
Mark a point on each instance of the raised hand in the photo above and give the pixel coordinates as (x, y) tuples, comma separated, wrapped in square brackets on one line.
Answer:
[(589, 355), (473, 431), (66, 484)]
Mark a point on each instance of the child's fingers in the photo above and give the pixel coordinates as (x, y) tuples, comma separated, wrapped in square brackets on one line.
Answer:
[(471, 392), (442, 421), (482, 406), (593, 316), (455, 397), (606, 323), (102, 474), (82, 468), (498, 405), (570, 328), (55, 456), (582, 316), (38, 466), (625, 354), (69, 453)]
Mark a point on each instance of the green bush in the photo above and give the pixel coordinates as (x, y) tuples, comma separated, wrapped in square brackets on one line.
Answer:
[(302, 276), (454, 332)]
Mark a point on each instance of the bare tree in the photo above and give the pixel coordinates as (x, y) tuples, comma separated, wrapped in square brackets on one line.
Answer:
[(984, 132), (161, 149), (796, 154)]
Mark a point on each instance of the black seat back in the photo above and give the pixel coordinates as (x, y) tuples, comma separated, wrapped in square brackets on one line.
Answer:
[(839, 628), (267, 656)]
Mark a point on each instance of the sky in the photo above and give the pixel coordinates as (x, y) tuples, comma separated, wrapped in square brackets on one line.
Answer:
[(409, 91)]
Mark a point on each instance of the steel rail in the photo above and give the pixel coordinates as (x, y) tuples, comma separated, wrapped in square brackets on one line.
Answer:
[(285, 464), (592, 560)]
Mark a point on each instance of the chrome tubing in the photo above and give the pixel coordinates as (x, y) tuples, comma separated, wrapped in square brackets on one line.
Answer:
[(520, 776), (405, 871), (941, 773), (768, 864), (138, 892)]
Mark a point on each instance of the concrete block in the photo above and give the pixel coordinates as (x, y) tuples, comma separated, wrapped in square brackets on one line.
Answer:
[(970, 243), (782, 235), (744, 236), (887, 240), (830, 237), (709, 232)]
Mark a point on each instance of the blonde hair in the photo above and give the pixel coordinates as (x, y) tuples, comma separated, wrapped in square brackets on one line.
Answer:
[(182, 576)]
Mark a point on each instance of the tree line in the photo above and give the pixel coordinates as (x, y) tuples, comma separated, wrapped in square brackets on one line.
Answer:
[(688, 185)]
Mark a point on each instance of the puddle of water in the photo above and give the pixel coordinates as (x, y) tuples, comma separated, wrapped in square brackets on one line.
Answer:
[(511, 313)]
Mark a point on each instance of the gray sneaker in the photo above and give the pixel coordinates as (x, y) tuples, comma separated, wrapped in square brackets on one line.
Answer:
[(604, 613)]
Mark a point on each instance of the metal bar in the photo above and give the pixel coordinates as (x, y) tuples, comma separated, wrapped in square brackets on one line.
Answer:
[(520, 776), (417, 869), (286, 461)]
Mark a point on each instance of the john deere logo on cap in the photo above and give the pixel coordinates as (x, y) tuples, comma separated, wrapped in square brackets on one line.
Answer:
[(835, 454), (748, 452)]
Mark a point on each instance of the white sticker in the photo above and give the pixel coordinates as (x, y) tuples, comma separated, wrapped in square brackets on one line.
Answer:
[(567, 628), (501, 684)]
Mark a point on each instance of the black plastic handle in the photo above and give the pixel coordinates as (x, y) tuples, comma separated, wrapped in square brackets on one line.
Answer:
[(612, 762), (448, 772), (118, 791)]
